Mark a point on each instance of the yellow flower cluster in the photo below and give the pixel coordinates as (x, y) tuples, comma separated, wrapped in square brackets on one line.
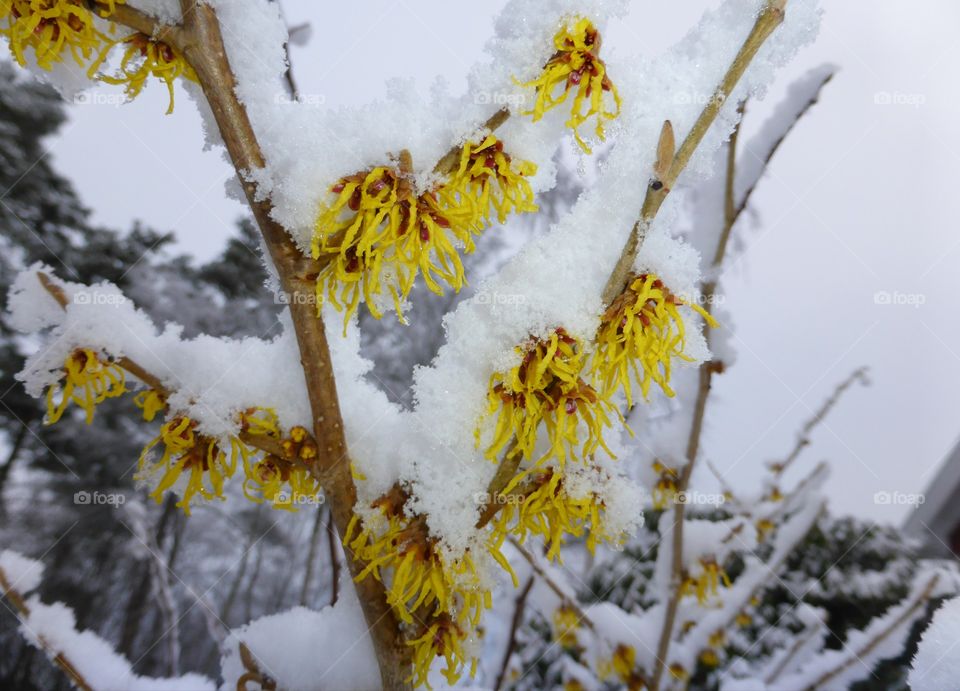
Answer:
[(665, 491), (54, 29), (187, 452), (144, 57), (488, 179), (639, 336), (547, 387), (51, 28), (565, 625), (706, 583), (284, 481), (545, 509), (150, 402), (576, 67), (425, 588), (623, 667), (379, 233), (443, 637), (87, 380)]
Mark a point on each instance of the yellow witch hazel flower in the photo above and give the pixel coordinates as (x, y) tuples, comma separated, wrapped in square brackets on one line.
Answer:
[(150, 402), (377, 225), (444, 638), (87, 380), (546, 387), (185, 451), (51, 28), (144, 57), (706, 583), (565, 624), (281, 482), (285, 482), (424, 587), (548, 511), (623, 666), (576, 67), (639, 336), (489, 179)]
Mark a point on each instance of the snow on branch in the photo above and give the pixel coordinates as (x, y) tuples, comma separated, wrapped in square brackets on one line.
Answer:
[(88, 660)]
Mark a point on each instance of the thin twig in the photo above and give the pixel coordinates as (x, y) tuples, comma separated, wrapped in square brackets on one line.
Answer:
[(568, 602), (797, 646), (748, 193), (266, 444), (804, 437), (769, 19), (520, 605), (58, 657), (868, 647)]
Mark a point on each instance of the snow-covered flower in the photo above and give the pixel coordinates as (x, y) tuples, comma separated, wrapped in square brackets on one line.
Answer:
[(576, 67), (378, 235), (442, 637), (705, 582), (150, 402), (143, 57), (489, 179), (187, 451), (547, 387), (285, 481), (52, 28), (87, 380), (640, 334), (549, 511)]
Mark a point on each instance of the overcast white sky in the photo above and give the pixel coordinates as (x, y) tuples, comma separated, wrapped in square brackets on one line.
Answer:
[(861, 199)]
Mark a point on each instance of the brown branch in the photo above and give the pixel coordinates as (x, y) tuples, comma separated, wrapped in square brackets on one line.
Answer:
[(518, 609), (568, 602), (867, 648), (804, 438), (58, 658), (204, 50), (266, 444), (706, 372), (776, 146), (135, 19), (769, 19), (797, 646)]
